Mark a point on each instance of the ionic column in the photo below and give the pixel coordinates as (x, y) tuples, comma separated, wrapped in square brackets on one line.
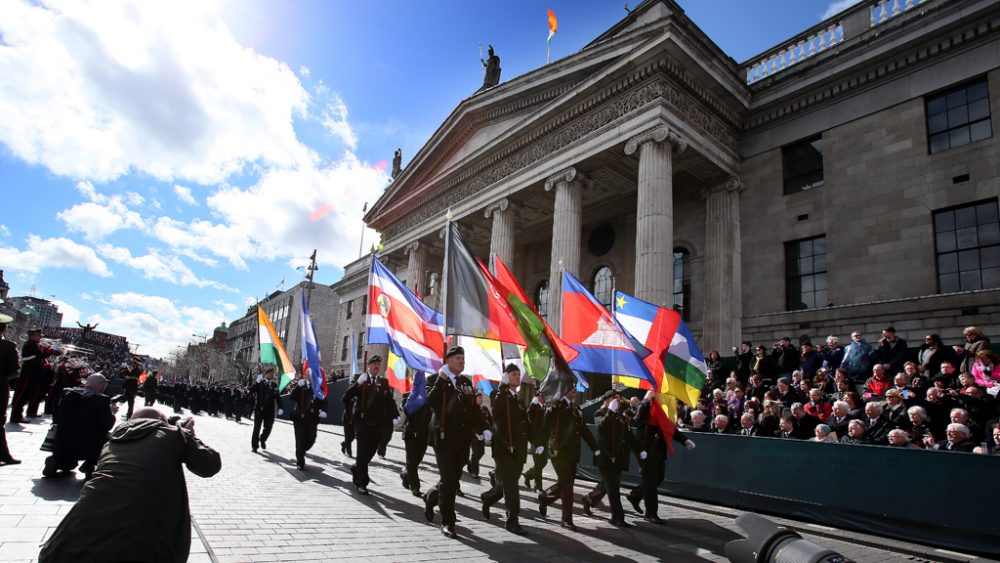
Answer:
[(566, 225), (502, 236), (654, 239), (416, 268), (723, 290)]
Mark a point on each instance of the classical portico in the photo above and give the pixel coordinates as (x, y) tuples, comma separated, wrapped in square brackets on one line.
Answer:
[(609, 164)]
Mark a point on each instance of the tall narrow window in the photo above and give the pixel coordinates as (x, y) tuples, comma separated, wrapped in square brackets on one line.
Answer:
[(542, 299), (361, 344), (802, 164), (682, 282), (959, 116), (805, 274), (604, 286), (346, 349), (967, 243), (350, 309)]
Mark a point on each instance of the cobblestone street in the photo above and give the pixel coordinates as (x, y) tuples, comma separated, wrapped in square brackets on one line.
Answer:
[(261, 508)]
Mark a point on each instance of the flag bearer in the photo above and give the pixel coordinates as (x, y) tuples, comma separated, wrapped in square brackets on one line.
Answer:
[(373, 409), (510, 448), (264, 393), (615, 440), (305, 420), (565, 427)]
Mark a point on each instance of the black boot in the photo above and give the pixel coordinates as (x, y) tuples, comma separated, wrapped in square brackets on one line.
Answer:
[(5, 457)]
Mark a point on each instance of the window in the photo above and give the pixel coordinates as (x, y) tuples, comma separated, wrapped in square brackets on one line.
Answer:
[(604, 282), (361, 344), (682, 282), (346, 349), (958, 117), (805, 274), (967, 242), (542, 299), (802, 164), (364, 306), (350, 309)]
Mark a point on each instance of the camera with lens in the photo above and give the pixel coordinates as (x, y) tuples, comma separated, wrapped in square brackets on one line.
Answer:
[(767, 542)]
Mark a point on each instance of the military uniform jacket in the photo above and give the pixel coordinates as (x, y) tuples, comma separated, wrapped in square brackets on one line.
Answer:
[(510, 426), (417, 424), (615, 440), (374, 405), (456, 416), (536, 424), (265, 394), (565, 427), (8, 361), (307, 406), (34, 366)]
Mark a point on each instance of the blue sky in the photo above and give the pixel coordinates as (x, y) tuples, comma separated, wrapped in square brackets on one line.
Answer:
[(162, 164)]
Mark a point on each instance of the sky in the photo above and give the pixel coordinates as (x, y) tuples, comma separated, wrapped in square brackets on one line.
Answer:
[(163, 165)]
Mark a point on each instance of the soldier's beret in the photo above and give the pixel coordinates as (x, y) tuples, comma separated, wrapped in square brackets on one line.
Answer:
[(454, 351)]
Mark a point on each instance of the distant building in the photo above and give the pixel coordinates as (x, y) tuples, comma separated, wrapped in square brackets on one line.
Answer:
[(40, 312)]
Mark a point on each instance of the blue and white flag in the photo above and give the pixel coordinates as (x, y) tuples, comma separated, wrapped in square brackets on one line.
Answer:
[(310, 354)]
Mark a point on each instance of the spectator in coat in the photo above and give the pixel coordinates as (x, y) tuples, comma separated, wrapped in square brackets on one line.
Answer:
[(140, 473), (877, 384), (698, 422), (83, 420), (878, 427), (900, 439), (859, 356), (748, 425), (919, 427), (764, 364), (961, 416), (805, 423), (823, 434), (786, 429), (932, 354), (986, 370), (891, 351), (895, 410), (809, 361), (757, 389), (957, 440), (839, 418), (786, 357), (833, 354), (818, 406), (744, 362), (855, 433), (975, 342), (720, 425)]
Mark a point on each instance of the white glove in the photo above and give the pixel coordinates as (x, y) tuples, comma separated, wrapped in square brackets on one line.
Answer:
[(260, 377), (479, 437), (642, 456), (613, 407), (536, 401), (280, 412), (689, 444), (363, 378), (302, 382), (597, 453), (487, 435), (322, 414), (539, 450), (395, 422)]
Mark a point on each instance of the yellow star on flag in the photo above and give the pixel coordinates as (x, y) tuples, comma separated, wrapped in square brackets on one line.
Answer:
[(620, 302)]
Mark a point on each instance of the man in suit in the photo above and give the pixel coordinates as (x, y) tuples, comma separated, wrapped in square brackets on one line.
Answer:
[(748, 425), (510, 448), (839, 419), (878, 425), (8, 371), (957, 440), (374, 408), (452, 398), (565, 427), (652, 472), (265, 396)]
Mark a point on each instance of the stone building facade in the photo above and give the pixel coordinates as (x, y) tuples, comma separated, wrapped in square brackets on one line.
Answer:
[(845, 179)]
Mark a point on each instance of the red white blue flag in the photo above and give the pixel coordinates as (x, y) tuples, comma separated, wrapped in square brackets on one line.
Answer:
[(310, 354), (396, 317)]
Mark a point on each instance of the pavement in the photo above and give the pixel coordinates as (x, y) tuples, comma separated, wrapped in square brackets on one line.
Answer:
[(261, 508)]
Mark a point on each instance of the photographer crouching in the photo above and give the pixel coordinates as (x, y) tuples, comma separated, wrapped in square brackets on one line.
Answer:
[(83, 420), (139, 479)]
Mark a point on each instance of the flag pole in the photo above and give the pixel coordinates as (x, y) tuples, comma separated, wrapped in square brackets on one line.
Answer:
[(444, 276), (361, 245)]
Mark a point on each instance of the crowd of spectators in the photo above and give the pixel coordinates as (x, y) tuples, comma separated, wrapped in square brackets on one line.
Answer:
[(933, 397), (102, 350)]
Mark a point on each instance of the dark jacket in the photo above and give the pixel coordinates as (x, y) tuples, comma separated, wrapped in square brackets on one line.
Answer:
[(966, 446), (878, 431), (650, 436), (786, 358), (34, 360), (510, 425), (265, 396), (615, 440), (83, 421), (892, 353), (744, 366), (840, 427), (113, 520), (373, 403), (565, 428), (536, 422), (307, 406), (8, 361), (765, 366), (456, 416), (417, 424)]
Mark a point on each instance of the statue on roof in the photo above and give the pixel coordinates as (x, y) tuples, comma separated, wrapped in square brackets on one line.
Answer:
[(397, 162), (491, 66)]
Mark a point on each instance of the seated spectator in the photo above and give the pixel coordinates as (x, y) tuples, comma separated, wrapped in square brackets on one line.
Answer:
[(855, 405), (757, 388), (901, 383), (973, 430), (797, 379), (900, 439), (877, 384), (804, 422), (787, 394), (698, 423), (985, 369), (823, 434), (731, 386), (895, 410), (804, 388), (938, 405), (736, 403), (748, 425), (717, 404), (855, 433), (824, 382), (720, 425), (918, 381), (770, 418), (818, 406), (843, 388), (786, 429), (839, 418), (994, 446), (878, 427), (83, 420), (957, 440), (919, 427)]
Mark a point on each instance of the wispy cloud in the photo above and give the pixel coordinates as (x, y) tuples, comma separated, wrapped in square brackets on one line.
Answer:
[(837, 6)]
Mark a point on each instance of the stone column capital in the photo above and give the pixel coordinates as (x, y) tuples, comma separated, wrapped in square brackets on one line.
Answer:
[(570, 174), (413, 247), (656, 134), (732, 185), (499, 205)]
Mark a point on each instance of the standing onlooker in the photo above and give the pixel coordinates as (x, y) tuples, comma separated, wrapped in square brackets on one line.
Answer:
[(975, 341), (858, 358), (833, 355), (809, 361), (140, 472), (8, 371), (744, 362), (891, 351), (932, 354), (786, 357)]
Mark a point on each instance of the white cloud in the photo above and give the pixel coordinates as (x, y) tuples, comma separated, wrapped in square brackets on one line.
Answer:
[(304, 71), (133, 198), (156, 323), (837, 6), (184, 194), (155, 266), (100, 89), (70, 313), (101, 215), (53, 253), (286, 214), (4, 231), (334, 118), (227, 307)]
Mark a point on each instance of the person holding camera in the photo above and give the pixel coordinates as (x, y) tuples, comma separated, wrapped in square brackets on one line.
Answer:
[(83, 420)]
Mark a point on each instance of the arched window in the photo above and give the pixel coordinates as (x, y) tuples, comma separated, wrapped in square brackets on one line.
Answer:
[(542, 299), (604, 286), (682, 282)]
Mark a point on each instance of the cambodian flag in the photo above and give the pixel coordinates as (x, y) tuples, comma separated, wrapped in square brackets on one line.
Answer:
[(310, 354), (396, 317), (604, 346)]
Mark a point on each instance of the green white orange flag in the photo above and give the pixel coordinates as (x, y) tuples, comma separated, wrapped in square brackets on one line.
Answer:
[(553, 26), (271, 350)]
